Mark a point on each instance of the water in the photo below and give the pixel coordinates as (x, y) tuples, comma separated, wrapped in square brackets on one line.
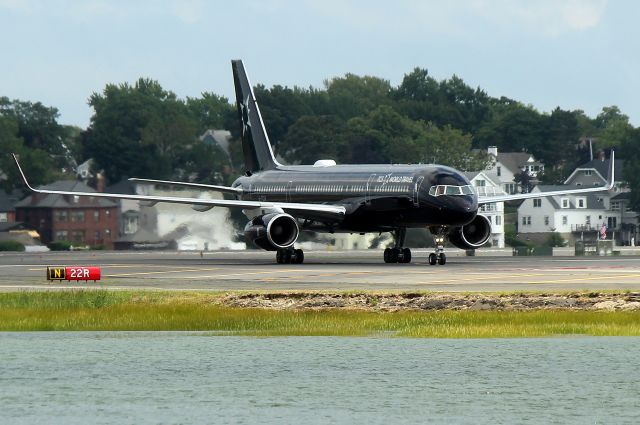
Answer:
[(140, 377)]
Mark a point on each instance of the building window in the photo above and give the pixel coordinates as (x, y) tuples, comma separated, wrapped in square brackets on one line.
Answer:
[(565, 220), (107, 213), (107, 233), (582, 202), (96, 236), (77, 235), (61, 215), (537, 203), (587, 220), (96, 216), (615, 205), (489, 218), (481, 183), (77, 216), (588, 172), (499, 171), (3, 217), (546, 220), (61, 235), (565, 202), (498, 220), (526, 220)]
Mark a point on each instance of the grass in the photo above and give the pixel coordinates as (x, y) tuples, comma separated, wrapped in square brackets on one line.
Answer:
[(162, 311)]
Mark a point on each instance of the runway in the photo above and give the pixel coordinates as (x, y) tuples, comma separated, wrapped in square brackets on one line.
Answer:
[(322, 270)]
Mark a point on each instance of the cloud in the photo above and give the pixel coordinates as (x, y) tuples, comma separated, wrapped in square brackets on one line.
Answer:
[(547, 17), (542, 17), (16, 5), (188, 12)]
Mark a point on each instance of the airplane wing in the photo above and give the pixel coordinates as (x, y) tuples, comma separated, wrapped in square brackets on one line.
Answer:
[(335, 212), (215, 188), (519, 196)]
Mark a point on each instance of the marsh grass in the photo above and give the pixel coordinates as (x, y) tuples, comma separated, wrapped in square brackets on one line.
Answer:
[(163, 311)]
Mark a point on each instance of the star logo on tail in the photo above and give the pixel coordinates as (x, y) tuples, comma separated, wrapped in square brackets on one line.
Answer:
[(246, 120)]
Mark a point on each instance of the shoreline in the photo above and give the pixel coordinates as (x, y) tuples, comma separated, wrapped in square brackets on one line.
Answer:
[(415, 315), (436, 301)]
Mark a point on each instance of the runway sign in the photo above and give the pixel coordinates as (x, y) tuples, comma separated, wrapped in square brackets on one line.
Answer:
[(73, 273)]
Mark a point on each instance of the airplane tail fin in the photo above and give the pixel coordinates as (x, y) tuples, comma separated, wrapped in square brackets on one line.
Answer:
[(256, 147)]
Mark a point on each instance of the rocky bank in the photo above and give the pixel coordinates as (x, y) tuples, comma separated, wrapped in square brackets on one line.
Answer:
[(627, 301)]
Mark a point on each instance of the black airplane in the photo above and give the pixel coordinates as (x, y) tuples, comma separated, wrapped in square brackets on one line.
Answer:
[(280, 200)]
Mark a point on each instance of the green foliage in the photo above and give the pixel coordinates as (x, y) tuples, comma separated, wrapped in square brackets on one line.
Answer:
[(60, 245), (11, 246), (631, 149), (555, 240)]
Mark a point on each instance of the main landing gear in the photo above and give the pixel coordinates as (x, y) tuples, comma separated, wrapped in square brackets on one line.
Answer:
[(438, 257), (289, 256), (397, 254)]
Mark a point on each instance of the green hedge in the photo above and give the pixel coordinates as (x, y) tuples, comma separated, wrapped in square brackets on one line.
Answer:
[(11, 246), (60, 245)]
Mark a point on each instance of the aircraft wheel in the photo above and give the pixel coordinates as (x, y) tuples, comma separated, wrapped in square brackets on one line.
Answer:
[(299, 256), (433, 259), (394, 255), (279, 257), (288, 256), (406, 255), (442, 259), (386, 255)]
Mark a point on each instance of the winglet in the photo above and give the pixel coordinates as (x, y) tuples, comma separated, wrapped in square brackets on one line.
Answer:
[(24, 178), (612, 167)]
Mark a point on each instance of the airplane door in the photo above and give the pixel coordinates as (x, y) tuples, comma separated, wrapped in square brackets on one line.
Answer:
[(288, 192), (369, 189), (416, 191)]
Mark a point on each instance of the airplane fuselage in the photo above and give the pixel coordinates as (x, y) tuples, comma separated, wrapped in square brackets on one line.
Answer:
[(376, 197)]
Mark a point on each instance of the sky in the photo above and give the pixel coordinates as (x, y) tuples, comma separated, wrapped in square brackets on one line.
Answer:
[(575, 54)]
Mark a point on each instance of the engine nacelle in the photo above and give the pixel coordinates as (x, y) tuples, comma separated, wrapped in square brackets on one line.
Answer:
[(472, 235), (272, 231)]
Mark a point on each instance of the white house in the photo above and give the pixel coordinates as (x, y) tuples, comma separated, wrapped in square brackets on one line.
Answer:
[(486, 186), (580, 216), (506, 165)]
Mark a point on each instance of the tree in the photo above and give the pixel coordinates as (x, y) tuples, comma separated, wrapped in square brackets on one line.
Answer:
[(631, 149), (35, 162), (138, 130), (312, 138), (210, 112), (613, 126)]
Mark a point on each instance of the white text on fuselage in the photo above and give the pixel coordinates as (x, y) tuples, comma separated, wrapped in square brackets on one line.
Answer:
[(390, 178)]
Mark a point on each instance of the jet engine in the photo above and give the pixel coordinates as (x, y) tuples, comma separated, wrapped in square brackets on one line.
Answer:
[(472, 235), (272, 231)]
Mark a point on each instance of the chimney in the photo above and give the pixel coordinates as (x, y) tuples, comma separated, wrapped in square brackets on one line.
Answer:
[(493, 150), (601, 156), (99, 182)]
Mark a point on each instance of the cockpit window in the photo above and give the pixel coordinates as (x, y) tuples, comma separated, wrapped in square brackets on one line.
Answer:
[(451, 190)]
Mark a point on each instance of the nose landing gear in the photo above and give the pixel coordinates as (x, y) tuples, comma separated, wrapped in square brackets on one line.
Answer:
[(438, 257)]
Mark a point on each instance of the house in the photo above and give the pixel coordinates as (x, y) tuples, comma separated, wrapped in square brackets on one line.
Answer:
[(582, 216), (486, 186), (7, 208), (595, 173), (507, 165), (83, 220)]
